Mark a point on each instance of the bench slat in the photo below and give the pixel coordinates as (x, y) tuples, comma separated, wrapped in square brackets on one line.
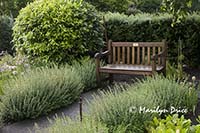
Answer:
[(118, 55), (123, 55), (148, 56), (138, 55), (114, 55), (143, 55), (133, 55), (128, 55)]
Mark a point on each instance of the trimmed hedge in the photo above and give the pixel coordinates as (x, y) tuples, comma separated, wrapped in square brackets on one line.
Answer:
[(38, 92), (6, 24), (122, 107), (110, 5), (155, 27), (57, 31)]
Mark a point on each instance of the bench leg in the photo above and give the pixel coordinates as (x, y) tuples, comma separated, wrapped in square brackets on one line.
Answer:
[(98, 77), (164, 72), (110, 78)]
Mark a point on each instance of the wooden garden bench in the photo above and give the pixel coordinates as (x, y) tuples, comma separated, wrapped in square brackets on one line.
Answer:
[(140, 58)]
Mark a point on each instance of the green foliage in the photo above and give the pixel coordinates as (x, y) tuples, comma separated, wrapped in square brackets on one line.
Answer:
[(9, 7), (195, 5), (171, 124), (86, 69), (58, 31), (122, 107), (66, 125), (176, 72), (38, 92), (178, 9), (148, 5), (6, 24), (155, 27), (110, 5)]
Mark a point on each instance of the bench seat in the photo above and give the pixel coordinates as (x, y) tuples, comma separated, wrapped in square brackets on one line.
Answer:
[(129, 69)]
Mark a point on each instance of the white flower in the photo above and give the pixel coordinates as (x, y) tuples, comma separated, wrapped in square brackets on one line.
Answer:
[(14, 72), (193, 78)]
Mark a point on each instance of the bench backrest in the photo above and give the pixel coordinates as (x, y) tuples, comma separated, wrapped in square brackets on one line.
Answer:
[(136, 53)]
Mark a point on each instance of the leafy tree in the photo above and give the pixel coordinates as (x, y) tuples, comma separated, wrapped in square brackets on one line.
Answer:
[(178, 8)]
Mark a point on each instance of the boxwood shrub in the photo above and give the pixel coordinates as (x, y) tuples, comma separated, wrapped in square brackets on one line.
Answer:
[(58, 31), (38, 92), (124, 106), (155, 27)]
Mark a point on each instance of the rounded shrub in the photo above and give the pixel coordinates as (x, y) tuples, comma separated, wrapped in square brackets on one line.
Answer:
[(127, 106), (38, 92), (58, 31)]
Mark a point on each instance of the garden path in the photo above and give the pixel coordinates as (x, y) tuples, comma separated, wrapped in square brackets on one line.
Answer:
[(27, 126)]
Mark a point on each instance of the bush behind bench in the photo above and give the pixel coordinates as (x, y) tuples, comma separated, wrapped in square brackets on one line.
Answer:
[(155, 27)]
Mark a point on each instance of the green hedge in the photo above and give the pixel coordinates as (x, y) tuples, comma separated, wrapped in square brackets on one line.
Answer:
[(8, 7), (155, 27), (6, 24), (110, 5), (57, 31), (116, 108), (38, 92)]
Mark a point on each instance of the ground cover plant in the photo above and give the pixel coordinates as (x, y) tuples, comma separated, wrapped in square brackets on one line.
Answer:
[(59, 31), (121, 108)]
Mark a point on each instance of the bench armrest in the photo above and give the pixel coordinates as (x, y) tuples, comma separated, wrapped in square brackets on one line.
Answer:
[(159, 55), (101, 54), (162, 55)]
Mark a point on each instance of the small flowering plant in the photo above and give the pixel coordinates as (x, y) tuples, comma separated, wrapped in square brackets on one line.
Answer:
[(12, 66)]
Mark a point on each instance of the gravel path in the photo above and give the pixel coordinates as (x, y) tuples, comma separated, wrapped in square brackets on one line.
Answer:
[(28, 125)]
